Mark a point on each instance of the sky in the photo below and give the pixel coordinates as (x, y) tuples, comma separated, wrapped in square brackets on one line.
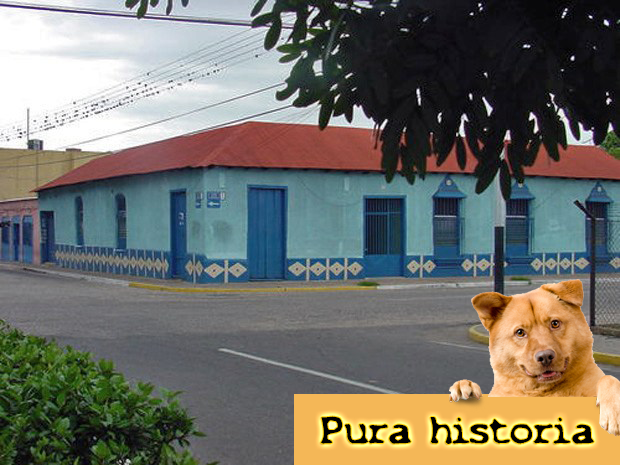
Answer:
[(51, 60)]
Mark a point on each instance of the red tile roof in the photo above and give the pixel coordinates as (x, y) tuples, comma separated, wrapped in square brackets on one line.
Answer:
[(296, 146)]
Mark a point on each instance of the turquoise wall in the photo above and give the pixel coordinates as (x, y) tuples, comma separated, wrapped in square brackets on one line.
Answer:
[(325, 211), (148, 207)]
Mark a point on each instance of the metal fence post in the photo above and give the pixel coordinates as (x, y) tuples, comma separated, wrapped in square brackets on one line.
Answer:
[(592, 261)]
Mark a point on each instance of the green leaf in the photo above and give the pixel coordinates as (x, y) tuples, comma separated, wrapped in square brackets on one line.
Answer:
[(504, 180), (286, 92), (258, 7), (461, 154), (144, 5), (273, 34), (262, 20), (327, 105)]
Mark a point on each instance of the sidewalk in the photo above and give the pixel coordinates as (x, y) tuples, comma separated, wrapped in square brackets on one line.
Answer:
[(392, 283)]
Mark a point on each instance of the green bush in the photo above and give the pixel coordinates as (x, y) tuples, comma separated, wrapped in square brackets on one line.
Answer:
[(59, 407)]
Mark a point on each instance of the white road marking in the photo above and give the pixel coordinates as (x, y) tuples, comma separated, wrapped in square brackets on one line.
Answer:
[(307, 371), (480, 349)]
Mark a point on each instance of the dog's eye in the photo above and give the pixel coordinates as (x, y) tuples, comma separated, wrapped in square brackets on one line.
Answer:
[(520, 332), (555, 324)]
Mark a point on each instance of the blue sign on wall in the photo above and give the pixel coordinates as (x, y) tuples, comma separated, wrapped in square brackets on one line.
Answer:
[(215, 203), (214, 198)]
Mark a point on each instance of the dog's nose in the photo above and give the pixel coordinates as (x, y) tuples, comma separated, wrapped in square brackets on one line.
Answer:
[(545, 357)]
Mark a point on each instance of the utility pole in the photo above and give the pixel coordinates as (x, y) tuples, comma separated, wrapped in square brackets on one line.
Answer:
[(499, 232)]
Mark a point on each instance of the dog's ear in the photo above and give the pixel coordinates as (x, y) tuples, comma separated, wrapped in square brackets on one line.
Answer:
[(568, 291), (490, 306)]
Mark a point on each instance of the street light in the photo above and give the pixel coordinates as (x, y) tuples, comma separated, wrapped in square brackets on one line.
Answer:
[(592, 219)]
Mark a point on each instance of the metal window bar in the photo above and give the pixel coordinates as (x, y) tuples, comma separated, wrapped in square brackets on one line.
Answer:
[(384, 227), (121, 221)]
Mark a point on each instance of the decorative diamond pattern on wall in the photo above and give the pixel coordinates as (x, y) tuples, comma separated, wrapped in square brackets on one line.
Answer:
[(336, 268), (615, 262), (297, 268), (467, 264), (429, 266), (413, 266), (537, 264), (318, 268), (581, 263), (483, 264), (237, 270), (214, 270), (565, 263), (551, 263), (355, 268)]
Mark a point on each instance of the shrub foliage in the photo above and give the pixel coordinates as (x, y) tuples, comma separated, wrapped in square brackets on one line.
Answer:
[(59, 406)]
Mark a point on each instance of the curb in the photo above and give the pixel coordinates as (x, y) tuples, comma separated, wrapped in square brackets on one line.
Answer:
[(81, 277), (384, 287), (156, 287), (599, 357)]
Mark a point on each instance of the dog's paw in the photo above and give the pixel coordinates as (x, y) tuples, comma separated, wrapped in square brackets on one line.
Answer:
[(464, 389), (608, 400)]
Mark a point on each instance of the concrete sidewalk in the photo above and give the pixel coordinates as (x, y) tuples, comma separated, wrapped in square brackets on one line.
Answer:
[(392, 283)]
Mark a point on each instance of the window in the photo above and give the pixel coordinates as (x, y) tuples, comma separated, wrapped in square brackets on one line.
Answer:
[(446, 226), (79, 220), (517, 227), (121, 222), (384, 226), (599, 210)]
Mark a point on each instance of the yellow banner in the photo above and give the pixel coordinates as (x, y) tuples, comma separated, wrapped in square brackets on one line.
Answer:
[(407, 429)]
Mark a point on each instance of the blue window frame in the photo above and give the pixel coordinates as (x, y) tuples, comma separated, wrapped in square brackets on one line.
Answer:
[(446, 226), (79, 220), (518, 227), (599, 210), (121, 222)]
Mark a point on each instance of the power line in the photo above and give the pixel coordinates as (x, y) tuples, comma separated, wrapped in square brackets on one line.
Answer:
[(177, 116), (153, 123), (210, 128), (127, 14), (185, 70)]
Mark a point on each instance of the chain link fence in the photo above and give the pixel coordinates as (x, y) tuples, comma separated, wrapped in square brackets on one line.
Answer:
[(608, 283)]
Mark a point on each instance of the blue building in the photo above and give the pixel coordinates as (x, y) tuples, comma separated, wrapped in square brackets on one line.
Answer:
[(279, 201)]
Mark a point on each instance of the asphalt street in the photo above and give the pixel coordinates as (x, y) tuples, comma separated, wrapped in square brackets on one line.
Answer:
[(240, 358)]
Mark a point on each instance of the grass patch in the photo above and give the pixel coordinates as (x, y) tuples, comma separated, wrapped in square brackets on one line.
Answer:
[(368, 284), (520, 278)]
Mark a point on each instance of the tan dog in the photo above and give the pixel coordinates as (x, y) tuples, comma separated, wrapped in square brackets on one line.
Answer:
[(541, 345)]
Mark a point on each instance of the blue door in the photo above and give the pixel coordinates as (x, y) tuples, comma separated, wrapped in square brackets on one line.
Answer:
[(27, 239), (16, 239), (266, 232), (178, 223), (5, 247), (47, 236), (384, 236)]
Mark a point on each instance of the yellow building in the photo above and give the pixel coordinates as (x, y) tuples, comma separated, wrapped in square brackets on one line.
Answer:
[(23, 170)]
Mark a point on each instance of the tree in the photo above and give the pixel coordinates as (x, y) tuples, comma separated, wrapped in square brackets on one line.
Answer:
[(612, 144), (435, 74)]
